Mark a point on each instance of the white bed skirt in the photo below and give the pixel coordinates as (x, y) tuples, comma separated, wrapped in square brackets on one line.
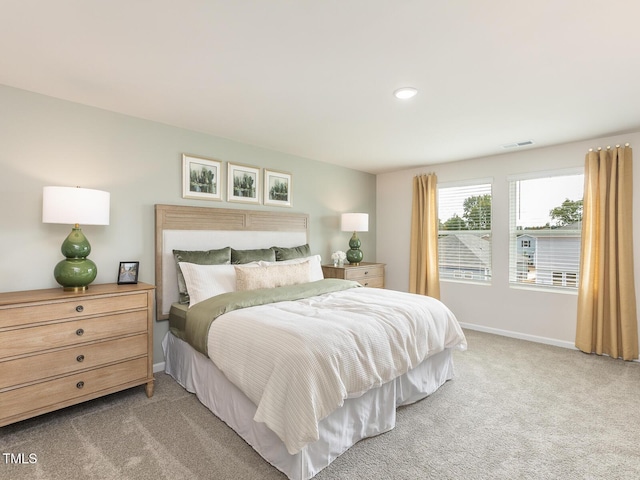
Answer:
[(365, 416)]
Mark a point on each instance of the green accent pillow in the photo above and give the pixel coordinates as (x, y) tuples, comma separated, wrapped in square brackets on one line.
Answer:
[(199, 257), (247, 256), (301, 251)]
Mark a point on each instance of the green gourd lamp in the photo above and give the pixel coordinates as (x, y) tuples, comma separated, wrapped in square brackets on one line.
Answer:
[(355, 222), (75, 206)]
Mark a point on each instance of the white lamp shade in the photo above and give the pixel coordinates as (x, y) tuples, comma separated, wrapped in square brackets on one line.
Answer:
[(71, 205), (355, 222)]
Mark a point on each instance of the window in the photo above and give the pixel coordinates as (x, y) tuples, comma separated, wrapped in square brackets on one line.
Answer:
[(464, 233), (545, 229)]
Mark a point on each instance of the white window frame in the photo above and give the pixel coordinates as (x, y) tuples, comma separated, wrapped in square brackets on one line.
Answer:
[(462, 274), (568, 278)]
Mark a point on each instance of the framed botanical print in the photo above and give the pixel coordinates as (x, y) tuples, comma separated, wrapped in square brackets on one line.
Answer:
[(277, 188), (243, 183), (201, 178)]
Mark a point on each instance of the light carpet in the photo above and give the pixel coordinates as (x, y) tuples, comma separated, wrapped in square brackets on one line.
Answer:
[(515, 410)]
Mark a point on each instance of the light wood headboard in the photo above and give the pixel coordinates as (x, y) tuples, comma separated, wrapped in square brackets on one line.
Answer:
[(203, 228)]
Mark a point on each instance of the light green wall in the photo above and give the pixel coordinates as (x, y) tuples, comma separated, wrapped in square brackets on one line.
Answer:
[(46, 141)]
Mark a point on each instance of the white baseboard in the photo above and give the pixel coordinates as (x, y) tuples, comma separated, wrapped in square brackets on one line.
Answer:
[(521, 336), (158, 367)]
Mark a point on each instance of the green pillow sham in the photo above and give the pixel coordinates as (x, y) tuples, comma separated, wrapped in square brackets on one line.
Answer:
[(283, 253), (247, 256)]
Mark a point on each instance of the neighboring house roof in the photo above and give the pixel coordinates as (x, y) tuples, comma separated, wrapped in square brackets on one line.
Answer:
[(571, 226), (571, 230), (526, 235), (475, 250)]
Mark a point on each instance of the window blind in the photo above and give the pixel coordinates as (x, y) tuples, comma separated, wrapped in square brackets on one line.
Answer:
[(464, 233), (545, 230)]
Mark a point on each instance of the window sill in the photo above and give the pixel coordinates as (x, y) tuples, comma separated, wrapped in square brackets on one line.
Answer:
[(468, 282), (545, 289)]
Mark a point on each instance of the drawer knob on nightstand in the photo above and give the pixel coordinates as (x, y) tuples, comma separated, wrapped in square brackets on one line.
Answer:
[(80, 384), (366, 272), (80, 358), (79, 308), (79, 332)]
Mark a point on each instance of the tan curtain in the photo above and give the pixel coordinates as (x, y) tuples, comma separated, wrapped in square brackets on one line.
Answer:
[(607, 322), (424, 277)]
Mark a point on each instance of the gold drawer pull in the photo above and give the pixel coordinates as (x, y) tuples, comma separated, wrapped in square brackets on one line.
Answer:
[(80, 358), (79, 308), (80, 332), (79, 385)]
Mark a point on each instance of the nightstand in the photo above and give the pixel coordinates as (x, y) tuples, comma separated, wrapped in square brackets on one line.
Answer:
[(61, 348), (368, 274)]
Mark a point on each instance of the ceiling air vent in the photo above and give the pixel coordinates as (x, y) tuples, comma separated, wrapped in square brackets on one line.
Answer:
[(525, 143)]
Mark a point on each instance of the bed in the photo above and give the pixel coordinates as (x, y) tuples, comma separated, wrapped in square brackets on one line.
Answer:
[(298, 403)]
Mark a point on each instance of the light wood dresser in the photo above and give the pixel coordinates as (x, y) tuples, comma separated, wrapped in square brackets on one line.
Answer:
[(61, 348), (368, 274)]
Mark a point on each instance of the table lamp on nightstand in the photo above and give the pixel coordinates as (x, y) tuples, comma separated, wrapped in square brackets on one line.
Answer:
[(75, 206), (355, 222)]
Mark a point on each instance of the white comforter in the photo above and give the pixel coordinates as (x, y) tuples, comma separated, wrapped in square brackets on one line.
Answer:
[(299, 360)]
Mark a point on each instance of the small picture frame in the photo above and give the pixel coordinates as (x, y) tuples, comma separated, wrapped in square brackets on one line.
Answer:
[(277, 188), (128, 273), (243, 183), (201, 178)]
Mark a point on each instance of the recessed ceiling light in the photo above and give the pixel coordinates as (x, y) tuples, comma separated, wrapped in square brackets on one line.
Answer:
[(405, 92)]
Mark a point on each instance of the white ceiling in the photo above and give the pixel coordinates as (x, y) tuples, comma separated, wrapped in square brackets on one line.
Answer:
[(314, 78)]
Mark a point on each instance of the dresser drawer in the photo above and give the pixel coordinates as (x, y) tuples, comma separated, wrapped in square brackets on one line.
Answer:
[(369, 276), (64, 334), (77, 307), (37, 367), (364, 272), (68, 390), (371, 282)]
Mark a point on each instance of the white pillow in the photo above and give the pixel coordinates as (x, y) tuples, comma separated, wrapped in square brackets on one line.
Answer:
[(315, 265), (206, 281), (272, 275)]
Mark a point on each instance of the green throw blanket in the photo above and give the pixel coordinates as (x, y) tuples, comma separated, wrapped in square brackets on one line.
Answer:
[(201, 315)]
